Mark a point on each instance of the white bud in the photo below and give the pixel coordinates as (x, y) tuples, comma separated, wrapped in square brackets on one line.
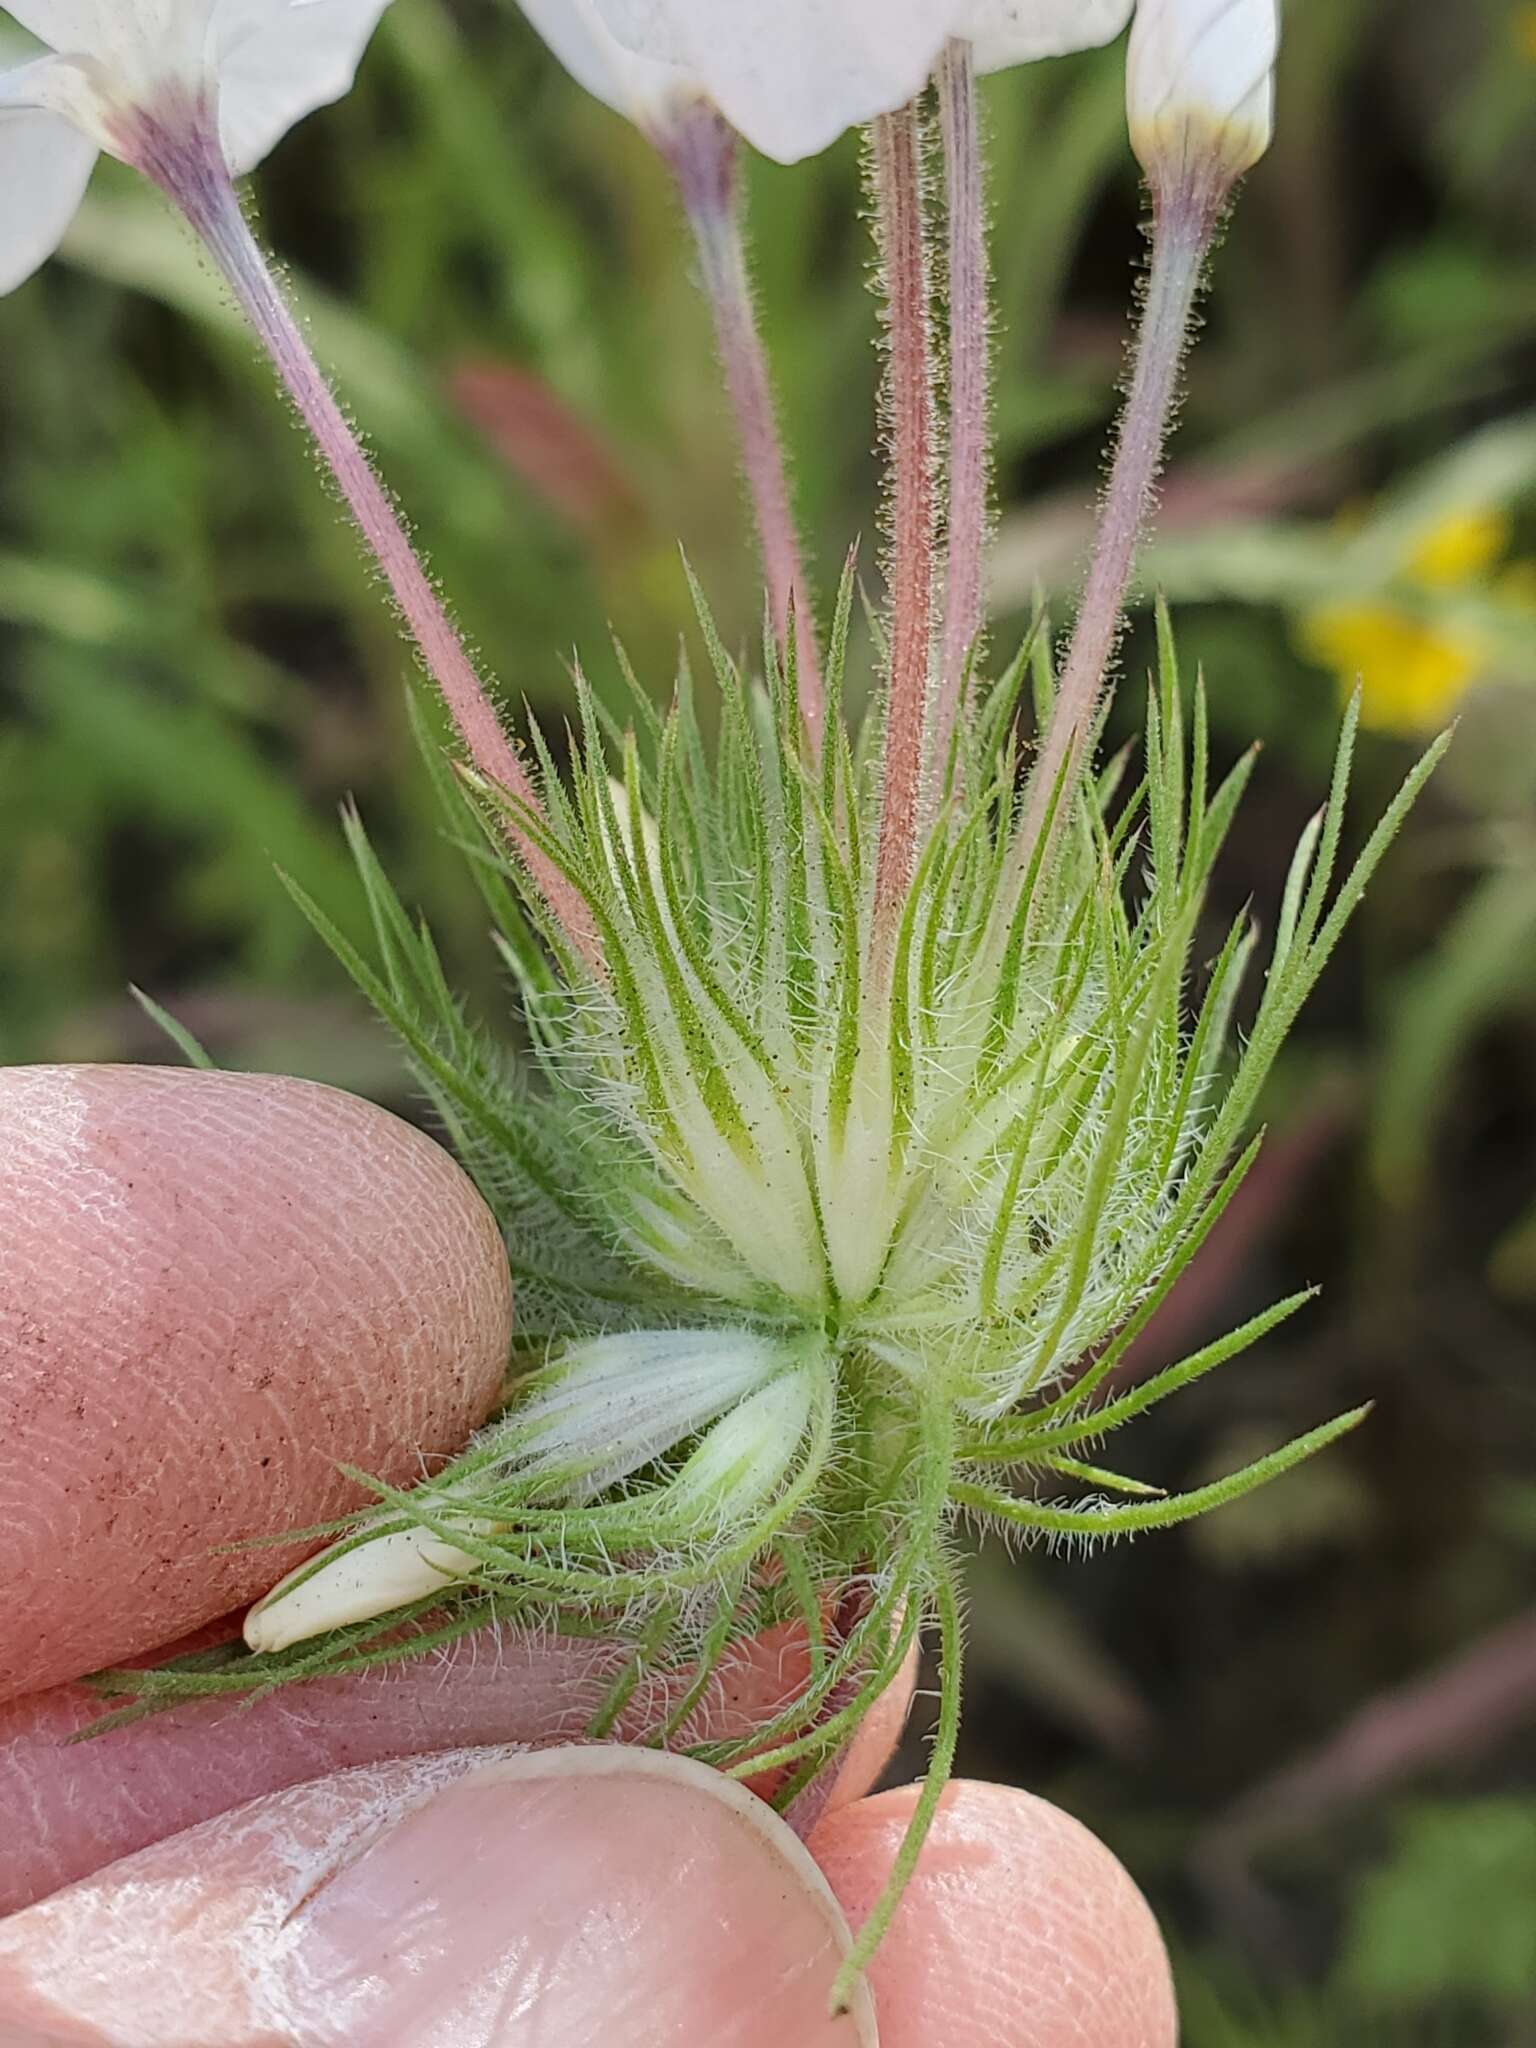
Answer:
[(606, 1409), (746, 1456), (1200, 86), (614, 1403), (371, 1578)]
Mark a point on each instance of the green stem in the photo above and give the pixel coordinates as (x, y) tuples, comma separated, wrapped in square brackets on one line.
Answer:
[(940, 1770)]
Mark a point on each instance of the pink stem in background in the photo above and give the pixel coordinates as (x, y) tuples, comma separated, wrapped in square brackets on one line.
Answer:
[(704, 153), (1184, 221), (1452, 1714), (190, 167), (909, 424), (969, 345)]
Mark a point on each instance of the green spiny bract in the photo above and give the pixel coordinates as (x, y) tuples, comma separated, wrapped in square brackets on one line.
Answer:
[(823, 1240)]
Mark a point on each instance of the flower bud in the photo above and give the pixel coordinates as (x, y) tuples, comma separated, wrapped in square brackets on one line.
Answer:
[(746, 1456), (614, 1403), (595, 1417), (367, 1579), (1200, 88)]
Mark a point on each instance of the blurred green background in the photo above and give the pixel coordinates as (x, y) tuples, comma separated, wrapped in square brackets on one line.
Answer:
[(1309, 1725)]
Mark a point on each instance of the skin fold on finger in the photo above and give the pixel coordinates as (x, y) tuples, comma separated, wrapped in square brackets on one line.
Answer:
[(69, 1807), (868, 1756), (597, 1896), (215, 1289), (1019, 1929)]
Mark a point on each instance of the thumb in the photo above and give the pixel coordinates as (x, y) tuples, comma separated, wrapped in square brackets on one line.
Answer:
[(585, 1896)]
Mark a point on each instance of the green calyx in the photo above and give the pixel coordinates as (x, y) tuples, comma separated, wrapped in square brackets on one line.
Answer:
[(825, 1238)]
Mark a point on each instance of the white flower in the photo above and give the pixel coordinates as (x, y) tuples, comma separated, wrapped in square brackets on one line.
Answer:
[(647, 90), (1006, 32), (112, 69), (791, 75), (1200, 83)]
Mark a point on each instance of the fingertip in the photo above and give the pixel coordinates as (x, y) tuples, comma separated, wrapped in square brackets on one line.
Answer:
[(630, 1897), (1019, 1929), (222, 1291)]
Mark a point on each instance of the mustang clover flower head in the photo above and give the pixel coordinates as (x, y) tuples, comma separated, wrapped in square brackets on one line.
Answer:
[(121, 75), (875, 1085)]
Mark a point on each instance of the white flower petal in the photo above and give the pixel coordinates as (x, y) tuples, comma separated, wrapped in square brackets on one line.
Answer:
[(269, 61), (75, 24), (138, 43), (652, 28), (1006, 32), (791, 75), (45, 166), (68, 89), (277, 61), (640, 87)]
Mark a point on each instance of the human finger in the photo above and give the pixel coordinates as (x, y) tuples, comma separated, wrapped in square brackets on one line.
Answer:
[(1019, 1929), (477, 1900), (868, 1755), (215, 1289), (71, 1806)]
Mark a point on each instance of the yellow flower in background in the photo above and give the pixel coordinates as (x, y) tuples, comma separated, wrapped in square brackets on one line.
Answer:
[(1412, 673), (1524, 25), (1462, 549)]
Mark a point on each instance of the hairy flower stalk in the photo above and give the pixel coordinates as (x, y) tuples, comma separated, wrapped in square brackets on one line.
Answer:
[(774, 1348), (969, 351), (179, 150), (1199, 98), (900, 207), (1182, 231), (671, 104), (704, 154), (837, 1197)]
